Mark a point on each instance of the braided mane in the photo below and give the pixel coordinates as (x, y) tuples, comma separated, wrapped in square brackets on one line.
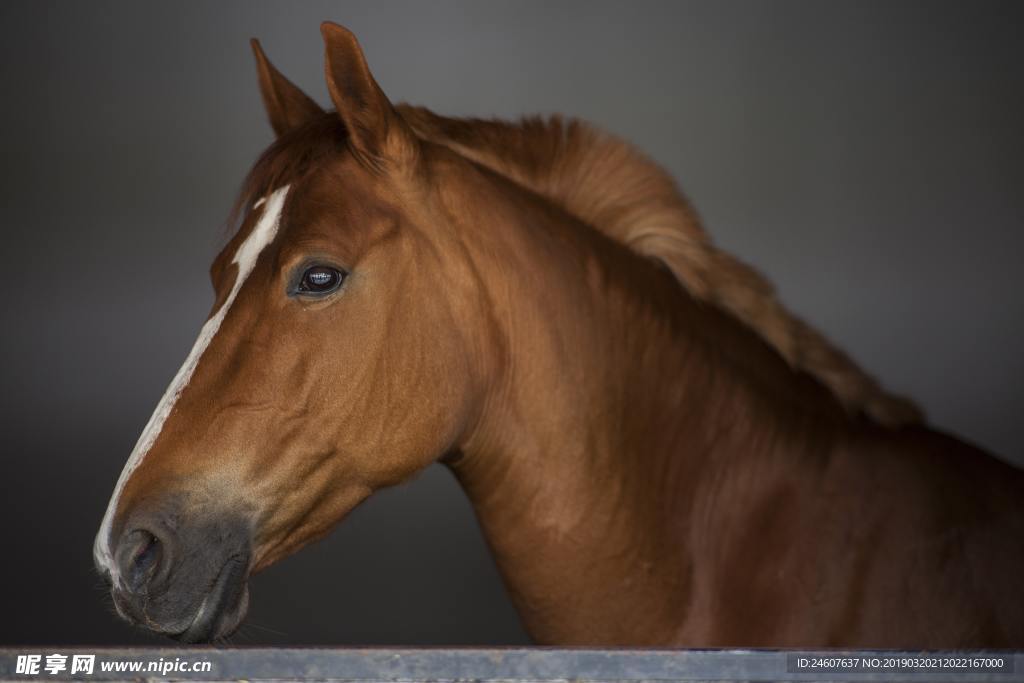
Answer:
[(611, 186)]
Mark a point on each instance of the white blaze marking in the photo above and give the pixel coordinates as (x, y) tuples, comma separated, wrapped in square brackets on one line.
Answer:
[(262, 235)]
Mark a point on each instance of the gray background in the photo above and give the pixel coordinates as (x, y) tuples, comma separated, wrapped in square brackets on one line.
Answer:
[(867, 156)]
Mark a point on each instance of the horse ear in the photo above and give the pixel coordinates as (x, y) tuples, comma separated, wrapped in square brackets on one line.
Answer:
[(287, 106), (375, 130)]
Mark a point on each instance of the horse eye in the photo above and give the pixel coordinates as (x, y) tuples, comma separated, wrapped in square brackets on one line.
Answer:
[(320, 280)]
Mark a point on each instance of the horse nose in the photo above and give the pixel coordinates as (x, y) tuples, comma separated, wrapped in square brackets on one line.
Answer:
[(142, 556)]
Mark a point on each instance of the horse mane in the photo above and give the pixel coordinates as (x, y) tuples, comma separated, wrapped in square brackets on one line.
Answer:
[(611, 186), (615, 189)]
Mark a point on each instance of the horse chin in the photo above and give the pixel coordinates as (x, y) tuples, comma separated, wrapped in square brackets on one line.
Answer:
[(223, 608)]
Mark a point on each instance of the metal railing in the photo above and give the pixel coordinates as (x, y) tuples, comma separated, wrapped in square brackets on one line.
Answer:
[(38, 663)]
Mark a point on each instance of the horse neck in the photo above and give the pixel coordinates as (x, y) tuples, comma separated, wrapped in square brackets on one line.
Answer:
[(617, 398)]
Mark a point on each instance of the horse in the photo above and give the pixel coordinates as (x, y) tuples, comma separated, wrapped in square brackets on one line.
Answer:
[(659, 453)]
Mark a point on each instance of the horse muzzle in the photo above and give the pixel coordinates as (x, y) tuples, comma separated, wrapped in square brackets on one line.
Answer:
[(181, 575)]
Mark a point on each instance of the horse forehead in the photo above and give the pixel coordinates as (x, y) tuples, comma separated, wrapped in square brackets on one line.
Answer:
[(254, 237), (345, 209)]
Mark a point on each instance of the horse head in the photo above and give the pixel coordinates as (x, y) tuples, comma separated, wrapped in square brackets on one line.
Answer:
[(335, 360)]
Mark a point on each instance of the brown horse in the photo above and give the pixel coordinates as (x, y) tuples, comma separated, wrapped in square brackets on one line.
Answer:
[(658, 452)]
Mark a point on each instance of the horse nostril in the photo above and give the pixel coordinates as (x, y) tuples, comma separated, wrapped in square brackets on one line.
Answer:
[(141, 553)]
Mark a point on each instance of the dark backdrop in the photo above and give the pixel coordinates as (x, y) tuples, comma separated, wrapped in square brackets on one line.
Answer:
[(867, 156)]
